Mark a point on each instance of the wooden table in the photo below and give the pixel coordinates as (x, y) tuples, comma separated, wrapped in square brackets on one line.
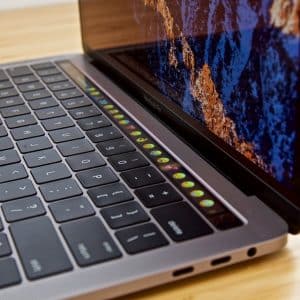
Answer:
[(45, 31)]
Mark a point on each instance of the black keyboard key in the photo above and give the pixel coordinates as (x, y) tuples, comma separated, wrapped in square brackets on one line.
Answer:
[(25, 79), (6, 144), (68, 94), (20, 121), (15, 111), (115, 147), (104, 134), (94, 122), (1, 225), (3, 131), (9, 157), (50, 173), (29, 87), (41, 158), (57, 123), (12, 172), (181, 222), (48, 72), (141, 177), (157, 195), (9, 274), (141, 238), (39, 248), (37, 95), (95, 177), (19, 71), (49, 113), (23, 209), (66, 134), (71, 209), (8, 93), (5, 85), (54, 79), (11, 101), (16, 189), (3, 76), (43, 65), (124, 214), (76, 103), (109, 194), (43, 103), (85, 161), (75, 147), (58, 190), (128, 161), (36, 144), (89, 241), (5, 249), (27, 132), (61, 86), (85, 112)]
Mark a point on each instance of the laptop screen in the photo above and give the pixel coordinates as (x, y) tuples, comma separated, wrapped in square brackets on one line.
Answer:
[(230, 67)]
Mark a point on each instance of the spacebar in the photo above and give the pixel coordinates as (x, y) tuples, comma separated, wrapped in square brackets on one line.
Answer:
[(39, 247)]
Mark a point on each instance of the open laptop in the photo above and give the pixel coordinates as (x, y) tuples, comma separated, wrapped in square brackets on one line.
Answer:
[(168, 149)]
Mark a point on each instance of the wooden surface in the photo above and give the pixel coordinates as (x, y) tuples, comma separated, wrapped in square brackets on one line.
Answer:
[(46, 31)]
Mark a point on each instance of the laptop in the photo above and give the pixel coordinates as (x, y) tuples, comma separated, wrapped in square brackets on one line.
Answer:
[(168, 149)]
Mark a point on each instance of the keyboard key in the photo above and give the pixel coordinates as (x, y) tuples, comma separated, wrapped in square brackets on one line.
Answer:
[(36, 144), (8, 93), (49, 113), (3, 76), (25, 79), (14, 111), (39, 247), (66, 134), (61, 86), (95, 177), (3, 131), (19, 71), (58, 190), (54, 79), (89, 241), (141, 238), (75, 147), (181, 222), (50, 173), (104, 134), (43, 65), (85, 112), (6, 144), (12, 172), (71, 209), (9, 157), (9, 274), (27, 132), (57, 123), (11, 101), (16, 189), (85, 161), (124, 214), (109, 194), (157, 195), (43, 103), (68, 94), (5, 85), (21, 209), (141, 177), (1, 225), (37, 95), (41, 158), (48, 72), (77, 102), (115, 147), (128, 161), (5, 249), (29, 87), (94, 122), (20, 121)]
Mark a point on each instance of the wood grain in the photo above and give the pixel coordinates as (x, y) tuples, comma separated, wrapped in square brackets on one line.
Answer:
[(46, 31)]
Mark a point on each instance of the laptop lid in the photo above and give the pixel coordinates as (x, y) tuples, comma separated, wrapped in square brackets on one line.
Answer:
[(224, 75)]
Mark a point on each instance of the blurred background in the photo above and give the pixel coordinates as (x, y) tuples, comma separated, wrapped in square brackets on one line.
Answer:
[(11, 4)]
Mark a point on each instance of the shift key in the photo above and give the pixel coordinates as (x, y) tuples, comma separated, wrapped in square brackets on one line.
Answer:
[(40, 250)]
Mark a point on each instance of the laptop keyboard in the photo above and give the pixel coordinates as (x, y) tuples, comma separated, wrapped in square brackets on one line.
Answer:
[(69, 155)]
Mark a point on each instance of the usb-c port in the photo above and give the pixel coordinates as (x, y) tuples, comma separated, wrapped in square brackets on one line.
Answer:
[(183, 271), (220, 261)]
